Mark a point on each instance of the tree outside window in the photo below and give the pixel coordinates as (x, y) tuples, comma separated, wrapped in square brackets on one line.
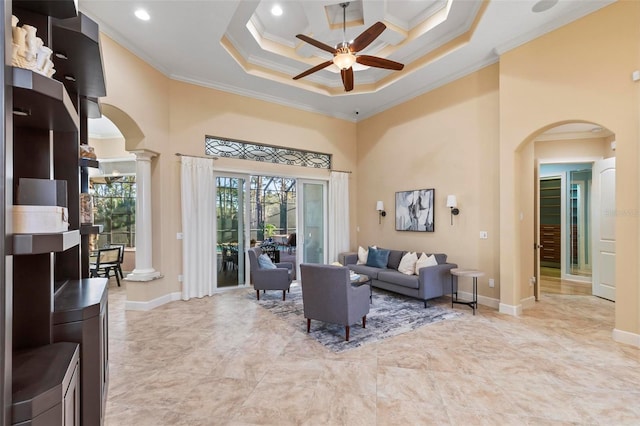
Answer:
[(114, 205)]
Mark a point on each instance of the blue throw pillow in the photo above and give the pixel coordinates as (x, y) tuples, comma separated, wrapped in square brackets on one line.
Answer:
[(378, 258), (265, 262)]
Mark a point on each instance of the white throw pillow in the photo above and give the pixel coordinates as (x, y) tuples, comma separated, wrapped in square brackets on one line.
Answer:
[(408, 263), (425, 261), (363, 253)]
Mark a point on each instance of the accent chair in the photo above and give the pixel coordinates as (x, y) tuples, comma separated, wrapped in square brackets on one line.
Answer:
[(278, 278), (327, 295)]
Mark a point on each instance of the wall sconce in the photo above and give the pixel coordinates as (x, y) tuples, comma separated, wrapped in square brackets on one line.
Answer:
[(381, 212), (452, 203)]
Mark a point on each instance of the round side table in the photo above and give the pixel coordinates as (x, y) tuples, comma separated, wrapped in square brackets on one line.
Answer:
[(473, 273)]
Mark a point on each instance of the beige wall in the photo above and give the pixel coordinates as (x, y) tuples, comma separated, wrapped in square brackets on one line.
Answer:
[(471, 138), (109, 147), (552, 80), (446, 139), (550, 150)]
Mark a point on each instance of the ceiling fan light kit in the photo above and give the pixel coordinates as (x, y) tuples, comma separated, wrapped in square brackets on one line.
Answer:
[(344, 54)]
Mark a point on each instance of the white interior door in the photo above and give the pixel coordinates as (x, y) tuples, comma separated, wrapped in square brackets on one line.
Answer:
[(312, 221), (604, 227)]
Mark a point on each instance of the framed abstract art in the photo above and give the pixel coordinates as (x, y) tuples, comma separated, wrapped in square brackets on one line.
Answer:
[(414, 210)]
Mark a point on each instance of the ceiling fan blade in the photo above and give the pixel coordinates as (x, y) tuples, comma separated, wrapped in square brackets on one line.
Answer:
[(347, 79), (368, 36), (316, 43), (374, 61), (314, 69)]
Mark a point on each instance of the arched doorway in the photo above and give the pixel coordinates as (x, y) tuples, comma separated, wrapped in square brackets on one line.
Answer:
[(566, 203)]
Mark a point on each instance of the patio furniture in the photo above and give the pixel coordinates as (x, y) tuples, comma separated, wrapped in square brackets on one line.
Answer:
[(107, 264), (291, 242)]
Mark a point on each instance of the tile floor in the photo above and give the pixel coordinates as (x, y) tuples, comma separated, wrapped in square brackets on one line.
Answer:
[(224, 360)]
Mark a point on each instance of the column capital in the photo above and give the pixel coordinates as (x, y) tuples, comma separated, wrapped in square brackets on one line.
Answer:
[(144, 154)]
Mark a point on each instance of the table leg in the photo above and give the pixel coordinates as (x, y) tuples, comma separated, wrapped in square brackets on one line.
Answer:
[(451, 290), (475, 294)]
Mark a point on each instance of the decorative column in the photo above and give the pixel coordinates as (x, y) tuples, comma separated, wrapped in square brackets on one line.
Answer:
[(144, 249)]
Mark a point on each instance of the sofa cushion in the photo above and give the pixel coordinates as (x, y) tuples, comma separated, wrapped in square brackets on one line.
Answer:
[(362, 255), (366, 270), (408, 263), (265, 262), (441, 258), (425, 261), (377, 258), (398, 278), (395, 256)]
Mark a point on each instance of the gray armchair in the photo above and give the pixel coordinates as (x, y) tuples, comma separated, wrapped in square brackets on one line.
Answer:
[(327, 295), (269, 279)]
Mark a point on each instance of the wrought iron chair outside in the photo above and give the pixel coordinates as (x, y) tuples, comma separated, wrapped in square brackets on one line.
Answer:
[(107, 263), (120, 258)]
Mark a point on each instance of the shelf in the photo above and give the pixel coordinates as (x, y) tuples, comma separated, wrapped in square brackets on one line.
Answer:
[(78, 300), (45, 102), (41, 377), (86, 229), (78, 39), (58, 9), (88, 162), (91, 106), (45, 243)]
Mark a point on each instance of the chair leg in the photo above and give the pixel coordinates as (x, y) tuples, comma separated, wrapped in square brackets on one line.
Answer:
[(364, 321), (283, 293), (347, 332), (425, 303), (115, 272), (258, 294), (308, 324)]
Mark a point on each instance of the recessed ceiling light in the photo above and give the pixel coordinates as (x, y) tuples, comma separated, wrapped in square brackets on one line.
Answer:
[(543, 5), (276, 10), (142, 14)]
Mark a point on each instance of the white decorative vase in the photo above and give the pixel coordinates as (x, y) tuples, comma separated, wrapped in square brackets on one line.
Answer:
[(31, 43)]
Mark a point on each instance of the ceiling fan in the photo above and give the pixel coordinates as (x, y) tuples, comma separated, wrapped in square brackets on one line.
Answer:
[(344, 54)]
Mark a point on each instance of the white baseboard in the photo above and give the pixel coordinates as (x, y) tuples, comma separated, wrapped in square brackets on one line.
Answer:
[(626, 337), (482, 300), (510, 309), (130, 305)]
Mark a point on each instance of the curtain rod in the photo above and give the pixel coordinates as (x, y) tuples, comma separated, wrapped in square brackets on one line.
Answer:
[(196, 156), (341, 171)]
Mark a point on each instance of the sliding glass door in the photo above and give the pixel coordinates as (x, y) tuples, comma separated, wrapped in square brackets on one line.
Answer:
[(231, 235), (312, 221)]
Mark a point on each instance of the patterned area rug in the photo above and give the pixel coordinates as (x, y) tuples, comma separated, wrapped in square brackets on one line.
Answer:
[(390, 315)]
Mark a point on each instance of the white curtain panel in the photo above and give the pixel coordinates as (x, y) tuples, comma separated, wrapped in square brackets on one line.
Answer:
[(338, 214), (198, 227)]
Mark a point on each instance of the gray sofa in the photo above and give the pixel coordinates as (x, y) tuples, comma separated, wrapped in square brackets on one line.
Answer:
[(433, 281)]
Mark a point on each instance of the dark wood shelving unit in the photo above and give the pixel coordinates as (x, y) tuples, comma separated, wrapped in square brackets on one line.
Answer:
[(56, 9), (45, 243), (45, 102), (80, 315), (90, 229), (45, 383), (55, 363), (78, 40), (88, 162), (91, 106)]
